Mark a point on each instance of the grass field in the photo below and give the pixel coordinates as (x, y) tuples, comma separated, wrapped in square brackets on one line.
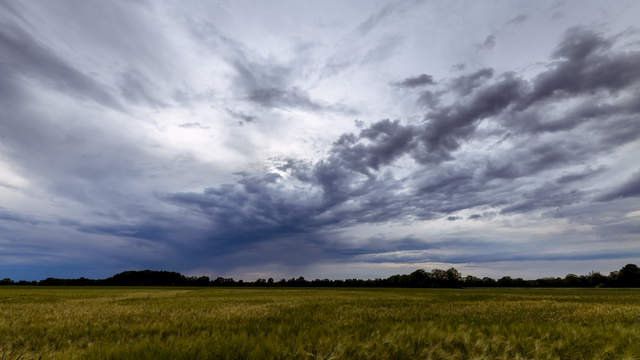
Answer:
[(215, 323)]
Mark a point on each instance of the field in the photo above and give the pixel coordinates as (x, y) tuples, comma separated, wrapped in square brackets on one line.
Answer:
[(216, 323)]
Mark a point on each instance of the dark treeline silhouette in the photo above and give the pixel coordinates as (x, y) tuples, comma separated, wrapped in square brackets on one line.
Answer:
[(627, 276)]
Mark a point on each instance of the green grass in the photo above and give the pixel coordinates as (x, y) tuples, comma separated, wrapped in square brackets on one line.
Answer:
[(214, 323)]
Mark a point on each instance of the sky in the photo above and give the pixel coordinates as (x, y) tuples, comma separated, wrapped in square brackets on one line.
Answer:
[(324, 139)]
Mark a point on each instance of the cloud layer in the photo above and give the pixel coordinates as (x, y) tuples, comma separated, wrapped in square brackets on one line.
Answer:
[(208, 147)]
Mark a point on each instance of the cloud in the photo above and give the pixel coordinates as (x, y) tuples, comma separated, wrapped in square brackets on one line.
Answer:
[(25, 56), (584, 65), (261, 81), (416, 81), (517, 20), (375, 19), (488, 43), (136, 88), (108, 165), (6, 215), (631, 188), (465, 84), (242, 117), (193, 125), (350, 186)]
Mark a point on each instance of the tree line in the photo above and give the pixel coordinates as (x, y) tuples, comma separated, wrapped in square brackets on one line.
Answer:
[(627, 276)]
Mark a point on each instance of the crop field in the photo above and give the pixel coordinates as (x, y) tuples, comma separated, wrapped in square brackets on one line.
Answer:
[(251, 323)]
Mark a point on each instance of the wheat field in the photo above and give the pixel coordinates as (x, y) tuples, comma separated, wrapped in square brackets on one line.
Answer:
[(246, 323)]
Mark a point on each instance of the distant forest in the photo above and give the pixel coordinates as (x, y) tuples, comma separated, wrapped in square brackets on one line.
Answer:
[(627, 276)]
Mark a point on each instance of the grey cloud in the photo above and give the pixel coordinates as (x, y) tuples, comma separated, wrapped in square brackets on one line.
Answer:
[(434, 141), (485, 141), (387, 11), (193, 125), (546, 196), (631, 188), (464, 85), (584, 66), (350, 53), (25, 55), (502, 256), (448, 125), (350, 185), (488, 43), (387, 141), (459, 67), (430, 99), (517, 20), (6, 215), (242, 117), (382, 50), (416, 81), (260, 81), (527, 160), (578, 176), (136, 88), (283, 98)]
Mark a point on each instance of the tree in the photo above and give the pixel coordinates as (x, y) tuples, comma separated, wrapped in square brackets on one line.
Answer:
[(419, 278), (629, 276)]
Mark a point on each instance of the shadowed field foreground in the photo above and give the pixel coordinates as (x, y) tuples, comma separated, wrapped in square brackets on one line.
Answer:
[(214, 323)]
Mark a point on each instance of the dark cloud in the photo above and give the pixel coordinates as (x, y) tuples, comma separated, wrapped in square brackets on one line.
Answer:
[(448, 125), (416, 81), (386, 141), (584, 65)]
